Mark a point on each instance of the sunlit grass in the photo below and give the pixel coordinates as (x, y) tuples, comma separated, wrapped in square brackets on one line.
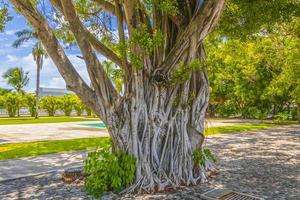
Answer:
[(32, 120), (18, 150), (237, 128)]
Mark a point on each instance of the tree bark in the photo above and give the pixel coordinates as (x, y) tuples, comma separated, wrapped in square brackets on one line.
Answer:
[(298, 111), (39, 61), (160, 123)]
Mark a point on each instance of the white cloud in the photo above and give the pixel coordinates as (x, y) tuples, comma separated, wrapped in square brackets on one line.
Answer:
[(50, 76), (10, 32)]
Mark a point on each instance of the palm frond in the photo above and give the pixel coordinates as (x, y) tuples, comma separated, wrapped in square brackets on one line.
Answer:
[(23, 36)]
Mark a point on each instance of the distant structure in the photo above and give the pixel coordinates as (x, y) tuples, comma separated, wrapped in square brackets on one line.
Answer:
[(54, 92)]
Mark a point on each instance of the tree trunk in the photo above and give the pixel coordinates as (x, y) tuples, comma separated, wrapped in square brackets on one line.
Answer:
[(159, 121), (298, 111), (38, 70), (162, 126)]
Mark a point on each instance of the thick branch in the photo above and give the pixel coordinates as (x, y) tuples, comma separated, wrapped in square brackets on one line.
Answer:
[(105, 5), (102, 84), (73, 80), (97, 45), (200, 26)]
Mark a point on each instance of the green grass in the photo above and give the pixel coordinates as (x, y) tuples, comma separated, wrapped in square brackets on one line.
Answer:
[(18, 150), (237, 128), (32, 120)]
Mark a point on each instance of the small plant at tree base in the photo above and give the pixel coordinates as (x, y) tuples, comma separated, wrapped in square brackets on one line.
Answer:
[(201, 156), (108, 171)]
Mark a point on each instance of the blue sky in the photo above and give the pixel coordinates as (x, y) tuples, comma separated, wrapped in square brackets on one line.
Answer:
[(21, 57)]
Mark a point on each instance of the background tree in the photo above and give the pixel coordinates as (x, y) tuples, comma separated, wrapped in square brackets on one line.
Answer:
[(51, 104), (159, 118), (38, 54), (66, 104), (4, 16), (79, 107), (12, 102), (17, 78), (30, 103)]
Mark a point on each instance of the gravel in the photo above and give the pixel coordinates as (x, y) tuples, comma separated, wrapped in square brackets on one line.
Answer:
[(264, 163)]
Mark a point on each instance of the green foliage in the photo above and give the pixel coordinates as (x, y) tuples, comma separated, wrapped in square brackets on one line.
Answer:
[(135, 60), (4, 18), (31, 103), (257, 77), (281, 117), (88, 111), (146, 40), (242, 19), (17, 78), (4, 91), (51, 104), (79, 106), (12, 103), (168, 6), (66, 104), (108, 171), (182, 73), (201, 155), (115, 74)]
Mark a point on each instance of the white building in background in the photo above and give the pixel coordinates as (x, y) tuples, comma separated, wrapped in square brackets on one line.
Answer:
[(54, 92)]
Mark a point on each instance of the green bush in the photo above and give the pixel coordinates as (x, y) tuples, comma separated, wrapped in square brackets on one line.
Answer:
[(66, 104), (51, 104), (79, 106), (108, 171), (88, 111), (200, 156), (31, 104), (281, 117), (12, 103)]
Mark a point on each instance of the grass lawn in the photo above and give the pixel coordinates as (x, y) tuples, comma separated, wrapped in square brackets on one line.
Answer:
[(237, 128), (18, 150), (32, 120)]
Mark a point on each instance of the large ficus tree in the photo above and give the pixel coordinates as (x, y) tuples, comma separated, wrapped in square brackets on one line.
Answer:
[(159, 115)]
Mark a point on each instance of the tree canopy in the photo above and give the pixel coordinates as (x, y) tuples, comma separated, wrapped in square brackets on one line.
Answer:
[(155, 100)]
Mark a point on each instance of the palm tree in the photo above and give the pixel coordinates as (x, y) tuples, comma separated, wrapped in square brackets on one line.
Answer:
[(17, 78), (38, 53)]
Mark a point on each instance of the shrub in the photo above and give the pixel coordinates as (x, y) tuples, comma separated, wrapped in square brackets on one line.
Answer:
[(200, 156), (66, 104), (12, 103), (31, 104), (88, 111), (51, 104), (79, 106), (108, 171), (281, 117)]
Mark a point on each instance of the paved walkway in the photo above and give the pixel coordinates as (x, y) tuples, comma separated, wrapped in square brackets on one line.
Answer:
[(74, 130), (264, 163), (22, 167), (50, 131)]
